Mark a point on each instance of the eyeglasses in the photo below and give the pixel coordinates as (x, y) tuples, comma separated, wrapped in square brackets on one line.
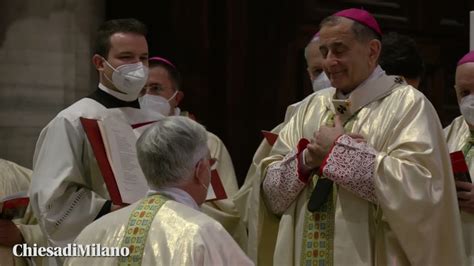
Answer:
[(212, 162)]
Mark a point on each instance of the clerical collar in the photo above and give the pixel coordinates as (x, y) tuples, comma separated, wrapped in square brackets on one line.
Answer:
[(176, 194), (377, 73), (377, 86), (109, 99)]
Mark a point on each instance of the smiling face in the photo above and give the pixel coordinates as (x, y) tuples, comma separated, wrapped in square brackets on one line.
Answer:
[(348, 61)]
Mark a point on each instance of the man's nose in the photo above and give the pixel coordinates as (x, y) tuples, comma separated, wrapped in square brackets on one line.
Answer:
[(330, 59)]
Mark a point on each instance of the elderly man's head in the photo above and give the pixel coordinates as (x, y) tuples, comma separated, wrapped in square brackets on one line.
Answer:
[(464, 85), (174, 153), (350, 45)]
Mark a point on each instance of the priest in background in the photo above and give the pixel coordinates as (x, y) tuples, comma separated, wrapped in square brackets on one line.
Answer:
[(162, 95), (460, 137), (401, 57), (167, 227), (245, 199), (360, 175), (67, 189), (14, 179)]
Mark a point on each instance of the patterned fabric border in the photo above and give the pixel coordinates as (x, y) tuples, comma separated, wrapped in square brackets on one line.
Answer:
[(318, 242), (318, 230), (137, 229)]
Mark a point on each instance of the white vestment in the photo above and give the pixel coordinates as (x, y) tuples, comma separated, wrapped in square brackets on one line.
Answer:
[(179, 235), (68, 190), (457, 134), (13, 179), (414, 219)]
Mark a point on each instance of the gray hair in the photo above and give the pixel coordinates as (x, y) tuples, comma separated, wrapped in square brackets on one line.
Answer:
[(314, 40), (361, 32), (169, 150)]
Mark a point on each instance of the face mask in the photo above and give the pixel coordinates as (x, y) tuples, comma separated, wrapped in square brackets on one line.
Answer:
[(467, 108), (158, 104), (129, 78), (321, 82)]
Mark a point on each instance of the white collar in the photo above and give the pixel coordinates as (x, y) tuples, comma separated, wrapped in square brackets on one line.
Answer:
[(176, 194), (116, 94), (377, 73), (377, 86)]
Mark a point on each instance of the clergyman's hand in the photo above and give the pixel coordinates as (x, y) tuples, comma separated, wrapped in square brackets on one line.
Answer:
[(116, 207), (322, 142), (326, 136), (465, 191), (10, 235)]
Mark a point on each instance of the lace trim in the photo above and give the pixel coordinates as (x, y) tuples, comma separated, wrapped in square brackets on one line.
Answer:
[(351, 165), (76, 200), (281, 185)]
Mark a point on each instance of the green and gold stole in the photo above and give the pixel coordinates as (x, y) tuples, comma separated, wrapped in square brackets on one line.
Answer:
[(137, 229), (467, 148), (318, 230)]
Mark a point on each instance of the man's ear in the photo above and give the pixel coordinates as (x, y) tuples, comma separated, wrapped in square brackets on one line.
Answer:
[(375, 47), (198, 171), (98, 62), (179, 97)]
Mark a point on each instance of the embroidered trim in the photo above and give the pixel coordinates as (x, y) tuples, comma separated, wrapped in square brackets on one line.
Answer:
[(71, 207), (318, 236), (351, 165), (281, 185), (304, 172), (138, 227), (318, 230)]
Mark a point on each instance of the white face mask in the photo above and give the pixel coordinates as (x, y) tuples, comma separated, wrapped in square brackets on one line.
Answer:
[(321, 82), (158, 104), (467, 108), (129, 78)]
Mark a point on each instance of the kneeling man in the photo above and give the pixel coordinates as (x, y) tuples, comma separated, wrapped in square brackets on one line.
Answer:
[(167, 227)]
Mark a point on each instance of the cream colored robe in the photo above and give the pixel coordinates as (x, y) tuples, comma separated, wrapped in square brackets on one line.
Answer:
[(456, 135), (179, 235), (246, 198), (67, 188), (416, 220), (224, 165), (13, 179), (224, 211)]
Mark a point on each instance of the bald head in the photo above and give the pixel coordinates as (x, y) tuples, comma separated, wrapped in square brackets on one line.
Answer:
[(464, 81), (314, 59), (464, 85)]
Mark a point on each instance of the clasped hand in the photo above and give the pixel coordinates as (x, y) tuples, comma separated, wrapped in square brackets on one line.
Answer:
[(321, 143), (465, 191), (10, 235)]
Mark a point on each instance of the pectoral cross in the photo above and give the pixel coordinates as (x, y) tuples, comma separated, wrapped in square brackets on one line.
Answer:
[(341, 109), (398, 80)]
